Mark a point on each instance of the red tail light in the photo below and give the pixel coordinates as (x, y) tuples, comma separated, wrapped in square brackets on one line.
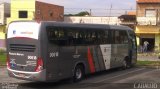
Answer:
[(39, 66), (8, 62)]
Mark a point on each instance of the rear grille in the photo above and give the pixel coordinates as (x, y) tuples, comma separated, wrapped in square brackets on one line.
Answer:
[(22, 47)]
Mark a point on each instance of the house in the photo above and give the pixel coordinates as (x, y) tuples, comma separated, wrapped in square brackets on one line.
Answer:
[(4, 14), (35, 10), (128, 19), (148, 23)]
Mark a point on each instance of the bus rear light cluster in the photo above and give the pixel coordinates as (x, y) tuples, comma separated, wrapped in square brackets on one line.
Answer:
[(8, 62), (39, 66)]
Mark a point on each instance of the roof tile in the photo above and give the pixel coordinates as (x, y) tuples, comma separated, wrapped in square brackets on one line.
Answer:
[(148, 1)]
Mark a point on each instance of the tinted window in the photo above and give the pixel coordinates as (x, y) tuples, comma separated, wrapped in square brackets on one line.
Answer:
[(123, 37), (119, 37), (56, 36), (76, 36)]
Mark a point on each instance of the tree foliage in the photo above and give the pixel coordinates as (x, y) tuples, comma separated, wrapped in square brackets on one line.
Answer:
[(83, 13)]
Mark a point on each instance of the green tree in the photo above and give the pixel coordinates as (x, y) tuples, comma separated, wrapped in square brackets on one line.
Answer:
[(83, 13)]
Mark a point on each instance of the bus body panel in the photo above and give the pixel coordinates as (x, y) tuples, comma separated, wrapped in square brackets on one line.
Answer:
[(119, 52), (23, 51), (106, 52), (31, 76), (23, 56)]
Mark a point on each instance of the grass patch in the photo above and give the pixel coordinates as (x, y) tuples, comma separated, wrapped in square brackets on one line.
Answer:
[(2, 59), (148, 63)]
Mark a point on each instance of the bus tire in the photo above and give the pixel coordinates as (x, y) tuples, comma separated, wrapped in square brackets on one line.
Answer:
[(78, 73), (124, 64)]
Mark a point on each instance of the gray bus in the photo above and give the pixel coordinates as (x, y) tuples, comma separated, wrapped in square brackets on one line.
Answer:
[(51, 51)]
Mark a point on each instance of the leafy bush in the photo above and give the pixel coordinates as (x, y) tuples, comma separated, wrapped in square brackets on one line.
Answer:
[(2, 51)]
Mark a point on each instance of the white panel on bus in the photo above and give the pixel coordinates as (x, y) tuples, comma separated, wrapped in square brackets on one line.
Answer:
[(106, 53), (23, 29)]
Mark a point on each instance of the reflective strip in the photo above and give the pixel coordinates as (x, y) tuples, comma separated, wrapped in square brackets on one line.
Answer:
[(90, 61), (23, 71)]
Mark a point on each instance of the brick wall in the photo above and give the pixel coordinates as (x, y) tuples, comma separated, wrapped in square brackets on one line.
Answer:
[(48, 12), (142, 6)]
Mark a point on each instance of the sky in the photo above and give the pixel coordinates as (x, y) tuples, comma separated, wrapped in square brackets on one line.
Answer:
[(98, 7)]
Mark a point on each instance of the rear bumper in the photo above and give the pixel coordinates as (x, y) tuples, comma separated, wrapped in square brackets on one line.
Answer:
[(31, 76)]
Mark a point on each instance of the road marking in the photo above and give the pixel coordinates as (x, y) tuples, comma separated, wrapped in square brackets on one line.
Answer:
[(119, 75)]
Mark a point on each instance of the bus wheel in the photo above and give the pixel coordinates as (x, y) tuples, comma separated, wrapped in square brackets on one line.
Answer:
[(78, 73), (125, 64)]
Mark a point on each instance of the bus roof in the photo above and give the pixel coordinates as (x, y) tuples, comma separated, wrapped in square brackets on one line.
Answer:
[(85, 25)]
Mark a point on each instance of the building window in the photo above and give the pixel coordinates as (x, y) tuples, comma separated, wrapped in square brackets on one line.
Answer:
[(38, 12), (150, 12), (50, 13), (23, 14)]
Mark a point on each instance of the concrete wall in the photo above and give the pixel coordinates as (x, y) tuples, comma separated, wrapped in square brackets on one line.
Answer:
[(2, 31), (2, 43), (148, 29), (21, 5), (90, 19), (2, 36), (157, 42), (4, 12)]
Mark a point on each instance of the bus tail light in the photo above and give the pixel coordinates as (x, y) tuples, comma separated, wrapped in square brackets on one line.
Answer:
[(8, 62), (39, 66)]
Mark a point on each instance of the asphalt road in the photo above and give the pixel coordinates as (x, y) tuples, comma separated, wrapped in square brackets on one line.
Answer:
[(133, 78)]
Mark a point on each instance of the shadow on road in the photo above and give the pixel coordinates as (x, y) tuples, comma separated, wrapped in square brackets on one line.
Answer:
[(44, 85), (67, 83)]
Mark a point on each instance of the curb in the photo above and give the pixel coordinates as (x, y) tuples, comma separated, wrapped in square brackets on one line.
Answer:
[(148, 66)]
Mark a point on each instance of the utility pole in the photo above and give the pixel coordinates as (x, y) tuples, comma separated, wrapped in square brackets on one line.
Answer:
[(90, 12), (110, 10), (109, 13), (157, 15)]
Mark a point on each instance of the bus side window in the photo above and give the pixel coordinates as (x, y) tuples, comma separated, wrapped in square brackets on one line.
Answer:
[(70, 37), (81, 37), (106, 36), (112, 35), (56, 35), (117, 37), (123, 37)]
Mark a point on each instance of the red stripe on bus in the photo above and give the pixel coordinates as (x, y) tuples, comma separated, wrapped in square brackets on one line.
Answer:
[(90, 61), (19, 37)]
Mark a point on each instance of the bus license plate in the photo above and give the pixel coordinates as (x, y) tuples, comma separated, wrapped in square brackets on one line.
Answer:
[(21, 75)]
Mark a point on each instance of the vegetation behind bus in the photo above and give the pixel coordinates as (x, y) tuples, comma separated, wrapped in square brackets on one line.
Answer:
[(2, 57)]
